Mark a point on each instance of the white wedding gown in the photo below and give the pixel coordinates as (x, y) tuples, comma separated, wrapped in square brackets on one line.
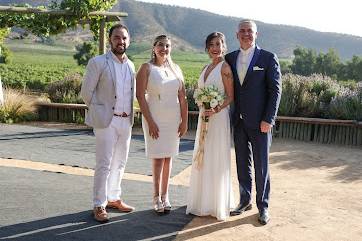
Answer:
[(210, 191)]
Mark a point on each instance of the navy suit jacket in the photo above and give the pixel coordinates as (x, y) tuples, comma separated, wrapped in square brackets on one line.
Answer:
[(258, 97)]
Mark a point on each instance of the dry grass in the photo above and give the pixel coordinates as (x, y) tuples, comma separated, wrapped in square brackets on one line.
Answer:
[(17, 107)]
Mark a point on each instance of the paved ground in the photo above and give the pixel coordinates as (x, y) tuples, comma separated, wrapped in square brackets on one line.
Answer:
[(46, 183), (51, 206), (76, 147)]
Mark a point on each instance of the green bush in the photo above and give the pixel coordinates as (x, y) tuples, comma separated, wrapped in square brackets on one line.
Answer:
[(307, 96), (294, 95), (324, 87), (34, 76), (350, 84), (5, 55), (347, 105), (85, 52), (190, 99), (66, 90)]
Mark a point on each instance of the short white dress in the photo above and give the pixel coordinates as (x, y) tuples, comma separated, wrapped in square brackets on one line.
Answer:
[(162, 99)]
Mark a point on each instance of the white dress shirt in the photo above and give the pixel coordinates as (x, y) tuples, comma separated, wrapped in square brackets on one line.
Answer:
[(243, 62), (123, 86)]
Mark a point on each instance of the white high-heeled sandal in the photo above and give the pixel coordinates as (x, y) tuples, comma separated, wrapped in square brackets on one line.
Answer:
[(166, 203), (158, 205)]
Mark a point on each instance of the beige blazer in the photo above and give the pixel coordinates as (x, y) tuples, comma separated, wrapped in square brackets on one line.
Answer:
[(99, 90)]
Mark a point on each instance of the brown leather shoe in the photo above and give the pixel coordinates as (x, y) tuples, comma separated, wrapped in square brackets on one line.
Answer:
[(100, 214), (121, 206)]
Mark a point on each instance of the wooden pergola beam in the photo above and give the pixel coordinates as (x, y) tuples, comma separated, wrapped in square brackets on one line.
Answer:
[(12, 9), (107, 17)]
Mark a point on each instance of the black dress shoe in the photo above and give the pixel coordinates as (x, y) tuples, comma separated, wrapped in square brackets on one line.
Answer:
[(241, 208), (263, 216)]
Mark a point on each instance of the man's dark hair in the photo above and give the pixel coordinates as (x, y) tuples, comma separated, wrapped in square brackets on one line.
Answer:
[(118, 25)]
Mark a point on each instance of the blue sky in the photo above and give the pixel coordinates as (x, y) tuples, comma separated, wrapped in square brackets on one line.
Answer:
[(326, 16)]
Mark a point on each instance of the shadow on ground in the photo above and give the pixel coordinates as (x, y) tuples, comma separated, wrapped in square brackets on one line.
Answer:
[(210, 225), (81, 226)]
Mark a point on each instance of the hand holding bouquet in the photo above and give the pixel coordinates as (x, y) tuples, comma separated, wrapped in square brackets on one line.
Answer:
[(208, 97)]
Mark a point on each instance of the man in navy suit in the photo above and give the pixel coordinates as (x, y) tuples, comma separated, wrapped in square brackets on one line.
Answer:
[(257, 87)]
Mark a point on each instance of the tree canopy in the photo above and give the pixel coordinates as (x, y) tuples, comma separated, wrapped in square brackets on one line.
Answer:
[(307, 62), (49, 24)]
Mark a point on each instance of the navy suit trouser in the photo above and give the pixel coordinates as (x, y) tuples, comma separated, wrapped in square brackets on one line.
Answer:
[(252, 144)]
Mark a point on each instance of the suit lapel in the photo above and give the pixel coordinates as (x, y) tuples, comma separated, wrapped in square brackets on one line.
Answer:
[(235, 59), (234, 66), (252, 63), (111, 68)]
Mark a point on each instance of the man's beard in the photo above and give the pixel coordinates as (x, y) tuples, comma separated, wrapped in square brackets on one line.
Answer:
[(118, 52)]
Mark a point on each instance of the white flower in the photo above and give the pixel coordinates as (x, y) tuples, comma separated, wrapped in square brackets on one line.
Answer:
[(197, 92), (204, 98), (208, 96), (213, 103), (219, 98)]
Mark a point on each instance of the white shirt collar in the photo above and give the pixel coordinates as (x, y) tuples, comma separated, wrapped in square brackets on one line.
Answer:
[(115, 59), (248, 51)]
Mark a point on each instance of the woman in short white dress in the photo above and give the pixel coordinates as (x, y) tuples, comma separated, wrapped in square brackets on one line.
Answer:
[(210, 191), (162, 99)]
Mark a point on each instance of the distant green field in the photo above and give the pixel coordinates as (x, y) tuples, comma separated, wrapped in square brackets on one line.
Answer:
[(35, 62)]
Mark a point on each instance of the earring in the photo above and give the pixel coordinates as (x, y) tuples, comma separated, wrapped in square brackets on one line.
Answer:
[(153, 56)]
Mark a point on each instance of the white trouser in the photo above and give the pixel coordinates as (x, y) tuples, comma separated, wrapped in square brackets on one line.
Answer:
[(112, 146)]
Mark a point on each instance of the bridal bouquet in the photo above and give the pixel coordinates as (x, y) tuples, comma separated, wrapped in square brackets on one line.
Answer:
[(208, 97)]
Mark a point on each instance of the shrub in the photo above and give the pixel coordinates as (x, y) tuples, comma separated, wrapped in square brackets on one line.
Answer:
[(34, 76), (17, 107), (324, 87), (350, 84), (85, 52), (307, 96), (293, 95), (190, 99), (66, 90), (347, 105), (5, 55)]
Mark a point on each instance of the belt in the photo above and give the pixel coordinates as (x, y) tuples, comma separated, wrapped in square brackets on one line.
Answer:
[(124, 114)]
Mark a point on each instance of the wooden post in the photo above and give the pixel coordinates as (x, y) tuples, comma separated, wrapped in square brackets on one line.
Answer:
[(1, 93), (102, 37)]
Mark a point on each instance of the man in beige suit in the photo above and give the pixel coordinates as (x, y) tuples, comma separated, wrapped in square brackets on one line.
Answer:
[(108, 92)]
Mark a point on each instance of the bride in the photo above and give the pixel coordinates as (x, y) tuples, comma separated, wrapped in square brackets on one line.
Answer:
[(210, 191)]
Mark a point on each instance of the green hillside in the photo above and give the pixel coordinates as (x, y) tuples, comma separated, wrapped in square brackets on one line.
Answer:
[(189, 27)]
